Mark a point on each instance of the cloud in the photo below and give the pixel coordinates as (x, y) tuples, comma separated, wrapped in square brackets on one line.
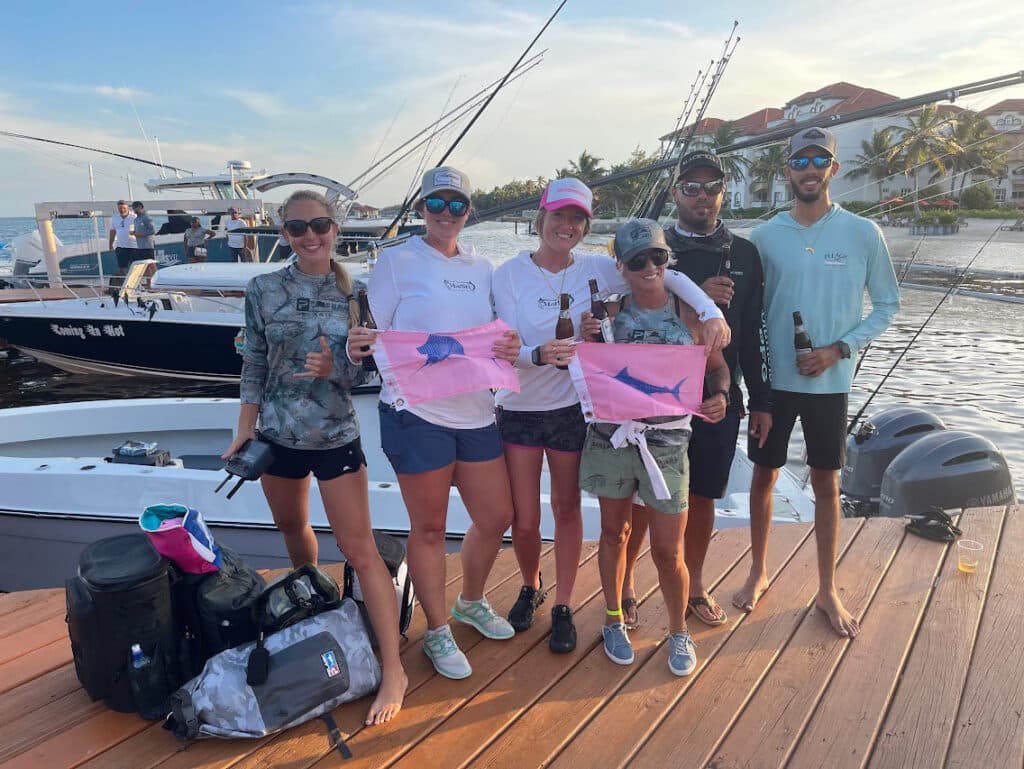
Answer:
[(262, 103), (118, 93)]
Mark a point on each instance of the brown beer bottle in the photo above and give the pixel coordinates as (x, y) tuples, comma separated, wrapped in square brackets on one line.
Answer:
[(366, 320), (801, 339), (599, 311), (564, 328)]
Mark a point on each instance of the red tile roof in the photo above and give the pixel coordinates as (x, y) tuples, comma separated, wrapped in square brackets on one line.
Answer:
[(707, 125), (854, 97), (756, 122), (1006, 105)]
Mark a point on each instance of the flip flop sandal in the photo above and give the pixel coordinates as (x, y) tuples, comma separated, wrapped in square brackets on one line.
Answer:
[(934, 524), (630, 613), (704, 610)]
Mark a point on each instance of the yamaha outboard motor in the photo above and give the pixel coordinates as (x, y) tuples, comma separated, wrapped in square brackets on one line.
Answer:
[(947, 469), (870, 450)]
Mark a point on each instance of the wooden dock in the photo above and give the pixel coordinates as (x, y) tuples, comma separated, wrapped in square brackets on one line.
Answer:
[(936, 678)]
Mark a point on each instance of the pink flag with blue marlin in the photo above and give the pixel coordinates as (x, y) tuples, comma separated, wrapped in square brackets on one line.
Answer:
[(617, 382), (419, 366)]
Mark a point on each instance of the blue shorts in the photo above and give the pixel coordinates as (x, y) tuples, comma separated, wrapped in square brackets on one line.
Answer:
[(414, 445), (711, 451)]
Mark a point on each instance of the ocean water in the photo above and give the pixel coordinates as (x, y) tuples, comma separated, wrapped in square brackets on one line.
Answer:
[(964, 367)]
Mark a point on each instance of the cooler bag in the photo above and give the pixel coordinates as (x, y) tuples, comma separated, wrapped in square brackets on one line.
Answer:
[(392, 551)]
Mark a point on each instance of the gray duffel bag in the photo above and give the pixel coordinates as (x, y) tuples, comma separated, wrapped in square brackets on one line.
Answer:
[(315, 665)]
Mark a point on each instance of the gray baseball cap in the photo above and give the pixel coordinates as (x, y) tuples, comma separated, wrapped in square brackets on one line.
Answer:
[(822, 138), (445, 178), (638, 235), (699, 159)]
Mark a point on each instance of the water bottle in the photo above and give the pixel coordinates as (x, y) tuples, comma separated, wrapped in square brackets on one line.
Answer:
[(149, 687), (139, 660)]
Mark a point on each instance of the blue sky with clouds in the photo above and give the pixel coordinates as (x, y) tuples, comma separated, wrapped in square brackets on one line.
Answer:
[(322, 86)]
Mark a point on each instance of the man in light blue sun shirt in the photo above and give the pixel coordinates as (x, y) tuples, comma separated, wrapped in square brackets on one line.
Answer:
[(818, 260)]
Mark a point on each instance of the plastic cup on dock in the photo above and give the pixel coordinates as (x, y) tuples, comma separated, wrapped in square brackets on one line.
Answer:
[(968, 554)]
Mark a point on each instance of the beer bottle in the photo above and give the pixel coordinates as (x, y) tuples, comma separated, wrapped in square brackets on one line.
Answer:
[(564, 328), (599, 311), (801, 339), (366, 320)]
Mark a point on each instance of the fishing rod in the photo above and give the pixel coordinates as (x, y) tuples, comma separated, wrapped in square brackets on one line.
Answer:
[(943, 298), (408, 201), (94, 149), (728, 49)]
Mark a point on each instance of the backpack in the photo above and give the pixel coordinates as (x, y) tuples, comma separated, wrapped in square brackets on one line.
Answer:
[(316, 664), (392, 551), (125, 594)]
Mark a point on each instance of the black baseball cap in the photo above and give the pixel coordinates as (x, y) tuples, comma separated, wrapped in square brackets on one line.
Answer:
[(700, 159)]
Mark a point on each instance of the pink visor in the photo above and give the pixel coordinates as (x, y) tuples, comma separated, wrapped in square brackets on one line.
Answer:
[(567, 192)]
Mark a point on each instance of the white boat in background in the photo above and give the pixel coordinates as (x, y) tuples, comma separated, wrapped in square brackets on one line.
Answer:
[(59, 491)]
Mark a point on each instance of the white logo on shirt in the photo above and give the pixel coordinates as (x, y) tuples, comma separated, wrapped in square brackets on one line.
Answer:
[(460, 285)]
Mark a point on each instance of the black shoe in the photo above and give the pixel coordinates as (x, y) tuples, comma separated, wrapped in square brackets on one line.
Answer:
[(563, 631), (521, 614)]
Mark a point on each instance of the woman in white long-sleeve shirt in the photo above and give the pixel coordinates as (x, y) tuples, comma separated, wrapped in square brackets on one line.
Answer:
[(544, 418), (434, 283)]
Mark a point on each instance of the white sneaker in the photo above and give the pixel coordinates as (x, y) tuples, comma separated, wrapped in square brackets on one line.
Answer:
[(448, 659), (480, 615)]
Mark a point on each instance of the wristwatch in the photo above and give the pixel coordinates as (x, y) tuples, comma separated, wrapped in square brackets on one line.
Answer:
[(535, 357), (844, 349), (728, 400)]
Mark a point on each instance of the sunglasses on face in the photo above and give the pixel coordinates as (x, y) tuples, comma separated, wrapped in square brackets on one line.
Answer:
[(639, 261), (820, 162), (297, 227), (437, 205), (692, 189)]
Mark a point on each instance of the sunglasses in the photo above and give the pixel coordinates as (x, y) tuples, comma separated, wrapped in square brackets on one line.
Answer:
[(692, 189), (297, 227), (639, 261), (819, 161), (437, 205)]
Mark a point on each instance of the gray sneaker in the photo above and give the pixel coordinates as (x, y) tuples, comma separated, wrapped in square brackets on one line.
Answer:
[(448, 659), (616, 644), (480, 615), (682, 654)]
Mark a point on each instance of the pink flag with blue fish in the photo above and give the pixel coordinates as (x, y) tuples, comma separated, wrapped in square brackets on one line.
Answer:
[(420, 366), (617, 382)]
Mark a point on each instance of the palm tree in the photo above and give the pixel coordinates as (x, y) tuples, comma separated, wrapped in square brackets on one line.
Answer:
[(979, 149), (734, 164), (587, 168), (767, 167), (878, 158), (925, 142)]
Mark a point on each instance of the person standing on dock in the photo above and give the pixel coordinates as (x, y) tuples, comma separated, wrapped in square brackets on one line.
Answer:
[(121, 238), (236, 240), (144, 232), (818, 261), (729, 270), (301, 316)]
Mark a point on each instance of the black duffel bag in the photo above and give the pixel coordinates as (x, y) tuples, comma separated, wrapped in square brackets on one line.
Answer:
[(123, 596)]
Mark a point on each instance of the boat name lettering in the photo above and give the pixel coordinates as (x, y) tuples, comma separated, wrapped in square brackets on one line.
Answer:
[(460, 285), (88, 329)]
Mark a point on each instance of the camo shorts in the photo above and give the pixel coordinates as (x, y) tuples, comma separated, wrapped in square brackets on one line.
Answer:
[(606, 471), (558, 430)]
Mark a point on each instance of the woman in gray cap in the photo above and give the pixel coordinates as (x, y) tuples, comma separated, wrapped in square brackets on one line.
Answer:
[(434, 283), (612, 466)]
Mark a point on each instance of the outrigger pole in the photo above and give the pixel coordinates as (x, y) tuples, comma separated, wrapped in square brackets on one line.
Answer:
[(779, 135), (94, 149)]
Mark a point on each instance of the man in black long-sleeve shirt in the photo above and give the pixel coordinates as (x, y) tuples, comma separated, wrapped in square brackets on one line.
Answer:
[(729, 270)]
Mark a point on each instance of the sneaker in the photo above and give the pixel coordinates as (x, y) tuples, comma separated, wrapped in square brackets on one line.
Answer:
[(448, 659), (480, 615), (563, 631), (682, 654), (616, 644), (521, 614)]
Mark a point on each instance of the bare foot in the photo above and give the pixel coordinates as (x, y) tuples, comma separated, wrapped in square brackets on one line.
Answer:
[(746, 598), (389, 697), (842, 621)]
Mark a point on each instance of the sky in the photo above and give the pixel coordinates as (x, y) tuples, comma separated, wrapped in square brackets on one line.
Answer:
[(326, 87)]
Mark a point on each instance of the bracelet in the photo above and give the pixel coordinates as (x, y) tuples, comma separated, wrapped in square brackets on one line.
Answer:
[(728, 400), (616, 613)]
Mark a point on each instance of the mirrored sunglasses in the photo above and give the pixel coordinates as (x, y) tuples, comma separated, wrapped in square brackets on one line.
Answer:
[(639, 261), (437, 205), (692, 189), (297, 227), (820, 162)]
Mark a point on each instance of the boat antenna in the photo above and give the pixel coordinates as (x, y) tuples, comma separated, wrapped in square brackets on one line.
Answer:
[(728, 49), (13, 135), (408, 201), (953, 287)]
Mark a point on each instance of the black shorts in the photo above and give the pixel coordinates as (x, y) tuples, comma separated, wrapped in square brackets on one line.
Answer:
[(712, 447), (561, 429), (325, 464), (823, 419), (125, 256), (145, 253)]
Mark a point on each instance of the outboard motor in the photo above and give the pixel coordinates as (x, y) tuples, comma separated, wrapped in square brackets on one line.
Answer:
[(877, 443), (947, 469)]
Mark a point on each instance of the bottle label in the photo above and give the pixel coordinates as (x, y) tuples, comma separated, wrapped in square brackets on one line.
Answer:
[(606, 330)]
